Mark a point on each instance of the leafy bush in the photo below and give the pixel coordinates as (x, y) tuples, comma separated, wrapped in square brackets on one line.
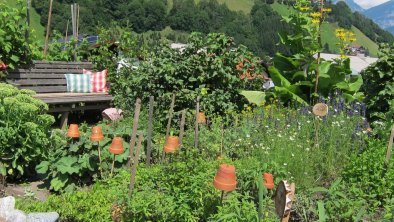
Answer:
[(206, 67), (71, 164), (25, 133), (378, 89), (177, 191), (15, 48), (301, 76)]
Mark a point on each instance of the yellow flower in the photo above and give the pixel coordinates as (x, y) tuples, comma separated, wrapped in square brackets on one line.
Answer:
[(343, 56), (326, 9), (316, 14), (315, 21), (340, 35), (305, 8)]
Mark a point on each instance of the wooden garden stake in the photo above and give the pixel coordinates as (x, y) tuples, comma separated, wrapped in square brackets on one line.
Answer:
[(135, 164), (134, 131), (221, 198), (196, 123), (169, 120), (99, 154), (182, 129), (113, 165), (222, 141), (48, 28), (389, 148), (150, 129)]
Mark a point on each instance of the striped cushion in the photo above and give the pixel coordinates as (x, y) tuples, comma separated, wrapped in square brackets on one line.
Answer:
[(99, 80), (78, 83)]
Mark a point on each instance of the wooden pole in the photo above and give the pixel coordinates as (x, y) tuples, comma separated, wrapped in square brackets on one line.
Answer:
[(150, 129), (113, 165), (182, 129), (66, 38), (135, 164), (99, 154), (169, 121), (134, 131), (222, 141), (389, 149), (28, 19), (196, 123), (48, 28)]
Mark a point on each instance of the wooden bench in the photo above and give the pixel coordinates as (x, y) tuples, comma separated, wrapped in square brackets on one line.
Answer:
[(48, 81)]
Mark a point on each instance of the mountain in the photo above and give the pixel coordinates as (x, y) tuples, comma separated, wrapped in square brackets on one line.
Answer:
[(352, 5), (383, 15)]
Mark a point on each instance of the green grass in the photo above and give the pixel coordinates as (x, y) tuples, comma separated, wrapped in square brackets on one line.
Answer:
[(366, 42), (38, 29), (235, 5), (281, 9)]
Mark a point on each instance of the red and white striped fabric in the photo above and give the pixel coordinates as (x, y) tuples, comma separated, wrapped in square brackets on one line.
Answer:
[(99, 80)]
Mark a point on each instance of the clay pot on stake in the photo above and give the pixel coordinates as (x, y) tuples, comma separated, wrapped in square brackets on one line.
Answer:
[(116, 148), (97, 136), (268, 181), (319, 110), (201, 118), (225, 179), (73, 131), (171, 145)]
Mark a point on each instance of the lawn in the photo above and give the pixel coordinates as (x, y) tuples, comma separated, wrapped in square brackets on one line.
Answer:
[(36, 26)]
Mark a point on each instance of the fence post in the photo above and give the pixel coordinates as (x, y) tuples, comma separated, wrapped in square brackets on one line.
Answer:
[(150, 129), (134, 131)]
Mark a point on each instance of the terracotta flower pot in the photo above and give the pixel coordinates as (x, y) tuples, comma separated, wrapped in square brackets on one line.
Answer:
[(116, 146), (225, 178), (97, 134), (201, 119), (172, 144), (268, 181), (73, 131)]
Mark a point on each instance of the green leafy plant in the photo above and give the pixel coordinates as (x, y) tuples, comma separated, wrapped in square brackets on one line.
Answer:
[(15, 47), (207, 66), (72, 164), (300, 76), (379, 90), (24, 131)]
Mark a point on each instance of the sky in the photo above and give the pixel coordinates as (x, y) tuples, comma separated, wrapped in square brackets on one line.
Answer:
[(369, 3)]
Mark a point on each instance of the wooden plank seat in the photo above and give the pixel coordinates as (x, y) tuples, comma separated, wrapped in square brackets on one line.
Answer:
[(48, 81)]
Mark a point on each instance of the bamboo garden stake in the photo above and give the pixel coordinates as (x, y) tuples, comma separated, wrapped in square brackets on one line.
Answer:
[(134, 131), (196, 123), (389, 149), (150, 129), (135, 164)]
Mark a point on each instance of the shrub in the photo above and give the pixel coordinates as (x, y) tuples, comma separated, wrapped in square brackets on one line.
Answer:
[(15, 48), (71, 164), (378, 89), (25, 133), (177, 191), (206, 67)]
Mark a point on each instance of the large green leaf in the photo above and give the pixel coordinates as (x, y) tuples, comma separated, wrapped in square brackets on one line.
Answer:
[(278, 78), (287, 93), (42, 167), (256, 97), (68, 165), (59, 182)]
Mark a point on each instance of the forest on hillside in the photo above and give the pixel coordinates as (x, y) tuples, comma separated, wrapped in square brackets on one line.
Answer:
[(258, 30)]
